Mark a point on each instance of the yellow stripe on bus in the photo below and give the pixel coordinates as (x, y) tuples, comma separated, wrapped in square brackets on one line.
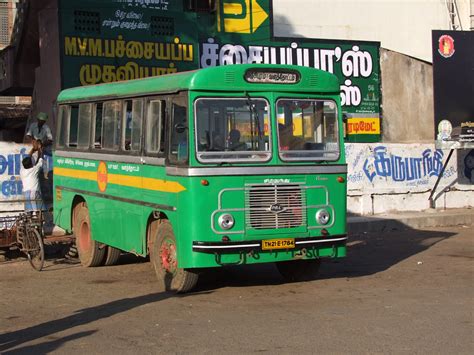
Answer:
[(146, 183), (162, 185), (74, 173), (124, 180)]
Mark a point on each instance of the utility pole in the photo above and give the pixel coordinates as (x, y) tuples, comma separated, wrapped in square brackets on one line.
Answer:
[(453, 15)]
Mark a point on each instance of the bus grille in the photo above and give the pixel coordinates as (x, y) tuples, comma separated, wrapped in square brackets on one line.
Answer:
[(275, 206)]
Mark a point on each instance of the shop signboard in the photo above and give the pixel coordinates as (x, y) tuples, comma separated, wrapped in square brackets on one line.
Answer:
[(109, 40), (453, 82)]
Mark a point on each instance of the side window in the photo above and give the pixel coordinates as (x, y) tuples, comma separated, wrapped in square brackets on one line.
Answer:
[(84, 125), (112, 112), (73, 125), (98, 126), (62, 132), (132, 129), (178, 146), (155, 127)]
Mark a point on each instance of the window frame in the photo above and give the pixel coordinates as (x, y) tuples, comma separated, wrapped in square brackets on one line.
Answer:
[(308, 158), (124, 122), (219, 155), (171, 101), (92, 116), (165, 100), (120, 123), (92, 146), (59, 129), (162, 139)]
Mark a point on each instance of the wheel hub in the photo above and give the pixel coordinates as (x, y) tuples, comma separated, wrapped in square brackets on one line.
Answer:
[(168, 256), (85, 236)]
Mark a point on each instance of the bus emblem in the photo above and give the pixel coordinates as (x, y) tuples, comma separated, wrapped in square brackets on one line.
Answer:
[(276, 208), (102, 176)]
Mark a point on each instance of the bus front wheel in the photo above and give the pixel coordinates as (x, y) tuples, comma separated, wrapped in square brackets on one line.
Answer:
[(164, 257), (90, 252), (299, 270)]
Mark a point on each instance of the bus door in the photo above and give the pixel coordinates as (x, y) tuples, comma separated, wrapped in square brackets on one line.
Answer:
[(166, 142), (132, 227), (154, 156), (118, 136)]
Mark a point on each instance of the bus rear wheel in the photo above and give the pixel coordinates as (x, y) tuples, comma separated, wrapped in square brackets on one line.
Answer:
[(89, 250), (112, 256), (299, 270), (164, 257)]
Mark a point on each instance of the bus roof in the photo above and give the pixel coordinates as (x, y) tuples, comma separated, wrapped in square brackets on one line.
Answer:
[(229, 78)]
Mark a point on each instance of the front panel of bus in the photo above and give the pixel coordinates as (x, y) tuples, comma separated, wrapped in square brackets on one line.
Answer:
[(265, 179)]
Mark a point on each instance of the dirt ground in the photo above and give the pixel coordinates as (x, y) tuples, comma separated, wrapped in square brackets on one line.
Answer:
[(405, 291)]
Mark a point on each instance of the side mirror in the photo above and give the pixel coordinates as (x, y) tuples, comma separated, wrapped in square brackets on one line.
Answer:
[(344, 124)]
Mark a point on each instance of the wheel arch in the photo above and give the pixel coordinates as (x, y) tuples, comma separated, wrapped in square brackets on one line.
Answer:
[(75, 201), (154, 219)]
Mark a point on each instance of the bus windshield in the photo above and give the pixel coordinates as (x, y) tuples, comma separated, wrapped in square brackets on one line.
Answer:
[(232, 129), (307, 129)]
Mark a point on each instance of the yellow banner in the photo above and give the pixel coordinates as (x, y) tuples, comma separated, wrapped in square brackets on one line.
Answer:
[(358, 125), (244, 16)]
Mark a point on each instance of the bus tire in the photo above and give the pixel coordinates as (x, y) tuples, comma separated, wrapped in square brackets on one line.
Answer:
[(112, 255), (89, 251), (299, 270), (164, 257)]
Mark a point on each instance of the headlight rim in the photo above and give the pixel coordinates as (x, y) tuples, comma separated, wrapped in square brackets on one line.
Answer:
[(226, 221), (323, 217)]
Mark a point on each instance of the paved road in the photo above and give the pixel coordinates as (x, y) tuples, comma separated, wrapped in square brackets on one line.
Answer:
[(397, 292)]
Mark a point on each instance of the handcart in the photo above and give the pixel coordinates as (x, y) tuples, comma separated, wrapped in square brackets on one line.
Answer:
[(24, 232)]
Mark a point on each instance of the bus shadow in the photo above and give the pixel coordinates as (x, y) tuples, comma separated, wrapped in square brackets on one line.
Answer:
[(368, 253), (10, 341), (49, 346)]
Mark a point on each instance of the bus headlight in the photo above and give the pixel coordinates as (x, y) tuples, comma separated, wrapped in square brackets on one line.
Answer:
[(322, 217), (226, 221)]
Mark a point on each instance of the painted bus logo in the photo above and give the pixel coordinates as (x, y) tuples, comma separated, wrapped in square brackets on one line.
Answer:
[(102, 176)]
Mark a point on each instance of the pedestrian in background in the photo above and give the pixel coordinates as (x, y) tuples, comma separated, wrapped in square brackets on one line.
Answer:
[(40, 132), (29, 174)]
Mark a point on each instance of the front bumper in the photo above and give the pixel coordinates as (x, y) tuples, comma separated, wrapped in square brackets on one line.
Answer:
[(256, 245)]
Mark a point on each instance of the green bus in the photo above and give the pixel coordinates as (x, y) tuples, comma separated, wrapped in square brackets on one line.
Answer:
[(228, 165)]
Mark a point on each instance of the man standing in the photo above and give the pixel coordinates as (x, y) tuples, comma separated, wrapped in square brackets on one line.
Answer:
[(29, 173), (40, 131), (40, 134)]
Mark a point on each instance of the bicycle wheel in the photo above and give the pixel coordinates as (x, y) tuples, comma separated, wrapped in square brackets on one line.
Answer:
[(34, 249)]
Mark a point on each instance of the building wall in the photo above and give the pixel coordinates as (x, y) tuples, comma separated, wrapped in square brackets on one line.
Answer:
[(384, 178), (48, 74), (11, 198), (407, 98), (403, 26), (7, 19)]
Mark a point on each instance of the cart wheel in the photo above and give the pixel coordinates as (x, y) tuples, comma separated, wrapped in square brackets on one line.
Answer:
[(164, 257), (89, 250), (299, 270), (111, 256), (34, 249)]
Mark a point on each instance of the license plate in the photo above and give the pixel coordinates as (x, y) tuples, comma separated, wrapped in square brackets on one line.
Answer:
[(286, 243)]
